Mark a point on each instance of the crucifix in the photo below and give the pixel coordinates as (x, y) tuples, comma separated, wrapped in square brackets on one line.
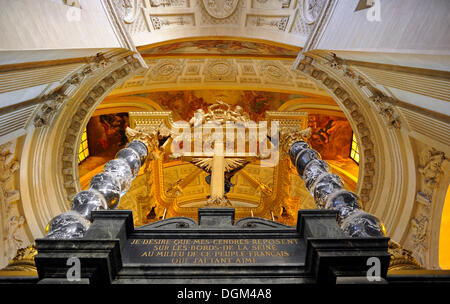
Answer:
[(220, 164)]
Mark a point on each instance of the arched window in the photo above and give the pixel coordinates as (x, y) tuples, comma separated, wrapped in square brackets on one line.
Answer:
[(84, 149), (354, 150)]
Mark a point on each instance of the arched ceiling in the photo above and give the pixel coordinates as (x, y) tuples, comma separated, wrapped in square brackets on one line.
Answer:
[(282, 21)]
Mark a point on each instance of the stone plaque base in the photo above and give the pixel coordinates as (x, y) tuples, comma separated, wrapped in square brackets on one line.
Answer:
[(215, 250)]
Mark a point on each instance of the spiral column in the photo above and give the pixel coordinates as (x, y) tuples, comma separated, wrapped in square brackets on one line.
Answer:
[(329, 193), (105, 191)]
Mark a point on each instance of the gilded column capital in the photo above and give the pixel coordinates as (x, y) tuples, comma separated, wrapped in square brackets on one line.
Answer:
[(290, 135), (23, 261), (401, 258), (151, 137)]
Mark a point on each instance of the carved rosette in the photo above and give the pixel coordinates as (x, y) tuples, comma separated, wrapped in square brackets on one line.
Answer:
[(311, 10), (274, 72), (166, 70), (220, 9), (220, 70)]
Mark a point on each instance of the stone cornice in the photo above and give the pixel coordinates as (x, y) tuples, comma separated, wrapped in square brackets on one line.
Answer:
[(317, 32)]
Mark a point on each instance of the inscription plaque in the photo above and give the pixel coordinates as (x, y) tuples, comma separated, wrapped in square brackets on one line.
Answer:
[(178, 250), (288, 251)]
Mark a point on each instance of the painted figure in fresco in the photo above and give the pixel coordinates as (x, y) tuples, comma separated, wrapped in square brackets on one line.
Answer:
[(324, 133), (114, 126), (331, 136), (221, 47)]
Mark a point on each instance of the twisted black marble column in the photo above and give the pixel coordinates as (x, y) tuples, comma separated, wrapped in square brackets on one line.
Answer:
[(105, 190), (329, 193)]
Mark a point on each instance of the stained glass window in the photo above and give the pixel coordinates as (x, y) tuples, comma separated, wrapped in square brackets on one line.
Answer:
[(84, 149), (354, 151)]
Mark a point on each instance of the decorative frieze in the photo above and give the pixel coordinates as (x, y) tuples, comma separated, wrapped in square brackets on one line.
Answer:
[(11, 219), (268, 22), (431, 168), (294, 18), (53, 101), (430, 171), (384, 104), (231, 72), (165, 22), (220, 70)]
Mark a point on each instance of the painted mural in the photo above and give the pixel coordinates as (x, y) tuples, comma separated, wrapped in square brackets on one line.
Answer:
[(106, 133), (331, 136), (184, 103), (106, 136), (221, 47)]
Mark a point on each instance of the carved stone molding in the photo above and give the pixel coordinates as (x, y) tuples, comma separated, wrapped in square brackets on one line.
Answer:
[(81, 115), (308, 66), (172, 223), (276, 23), (12, 221), (53, 101), (165, 71), (50, 153), (219, 72), (430, 171), (308, 13), (252, 19), (274, 72), (127, 9), (383, 103), (311, 10), (219, 12)]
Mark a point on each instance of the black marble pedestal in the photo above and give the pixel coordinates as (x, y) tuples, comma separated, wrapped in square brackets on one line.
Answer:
[(215, 250)]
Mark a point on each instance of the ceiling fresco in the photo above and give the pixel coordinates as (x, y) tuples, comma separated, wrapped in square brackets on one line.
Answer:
[(184, 103), (222, 48)]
